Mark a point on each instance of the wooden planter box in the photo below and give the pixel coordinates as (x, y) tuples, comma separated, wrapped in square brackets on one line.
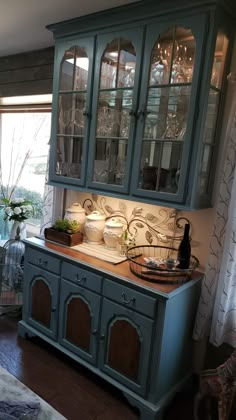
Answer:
[(68, 239)]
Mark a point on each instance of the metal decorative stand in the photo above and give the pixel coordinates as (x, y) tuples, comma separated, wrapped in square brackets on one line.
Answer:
[(11, 273)]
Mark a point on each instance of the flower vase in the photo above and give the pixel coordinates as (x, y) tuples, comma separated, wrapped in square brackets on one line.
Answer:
[(5, 224), (22, 227)]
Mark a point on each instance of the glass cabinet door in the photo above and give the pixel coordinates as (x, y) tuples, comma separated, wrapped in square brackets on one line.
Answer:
[(72, 111), (114, 110), (209, 144), (172, 57)]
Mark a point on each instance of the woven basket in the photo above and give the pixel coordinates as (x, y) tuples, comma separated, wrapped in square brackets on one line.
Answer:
[(160, 274)]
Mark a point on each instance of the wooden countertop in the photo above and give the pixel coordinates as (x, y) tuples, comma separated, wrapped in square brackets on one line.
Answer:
[(121, 270)]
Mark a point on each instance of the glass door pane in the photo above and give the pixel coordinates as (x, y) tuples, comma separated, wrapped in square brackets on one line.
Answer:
[(74, 70), (210, 131), (219, 60), (114, 110), (166, 112), (72, 112)]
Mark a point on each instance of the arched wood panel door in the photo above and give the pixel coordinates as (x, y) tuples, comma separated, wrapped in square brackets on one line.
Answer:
[(114, 109), (124, 348), (79, 316), (78, 309), (125, 340), (42, 290)]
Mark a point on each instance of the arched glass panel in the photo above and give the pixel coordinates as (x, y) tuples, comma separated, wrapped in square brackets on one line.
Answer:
[(115, 100), (169, 90), (74, 70), (172, 58), (71, 112)]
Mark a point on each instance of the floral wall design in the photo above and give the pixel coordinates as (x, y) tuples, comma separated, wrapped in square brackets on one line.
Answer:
[(155, 225)]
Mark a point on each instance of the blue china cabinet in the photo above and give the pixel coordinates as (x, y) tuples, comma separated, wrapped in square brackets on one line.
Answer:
[(138, 94)]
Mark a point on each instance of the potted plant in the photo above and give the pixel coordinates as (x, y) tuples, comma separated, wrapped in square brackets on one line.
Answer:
[(64, 231)]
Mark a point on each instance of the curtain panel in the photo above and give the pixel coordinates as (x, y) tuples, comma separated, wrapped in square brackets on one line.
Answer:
[(216, 315)]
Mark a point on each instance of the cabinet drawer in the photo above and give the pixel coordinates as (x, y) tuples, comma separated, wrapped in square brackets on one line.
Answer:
[(82, 277), (129, 298), (43, 260)]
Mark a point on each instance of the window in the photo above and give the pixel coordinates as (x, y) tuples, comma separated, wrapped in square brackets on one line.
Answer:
[(25, 125)]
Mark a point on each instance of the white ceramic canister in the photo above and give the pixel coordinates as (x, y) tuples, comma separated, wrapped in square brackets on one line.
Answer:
[(94, 227), (112, 232), (76, 212)]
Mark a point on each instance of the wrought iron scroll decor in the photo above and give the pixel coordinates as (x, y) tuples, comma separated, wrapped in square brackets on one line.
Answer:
[(165, 226)]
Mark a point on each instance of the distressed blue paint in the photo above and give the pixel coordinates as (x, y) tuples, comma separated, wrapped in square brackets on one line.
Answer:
[(68, 292), (163, 322), (142, 23)]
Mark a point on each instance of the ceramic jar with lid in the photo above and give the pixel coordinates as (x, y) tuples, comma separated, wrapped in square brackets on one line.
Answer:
[(112, 232), (94, 226), (76, 212)]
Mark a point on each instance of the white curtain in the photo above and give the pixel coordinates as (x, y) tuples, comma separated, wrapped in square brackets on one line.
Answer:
[(216, 315)]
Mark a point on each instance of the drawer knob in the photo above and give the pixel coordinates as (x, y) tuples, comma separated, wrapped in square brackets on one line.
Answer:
[(54, 309), (102, 337), (94, 332), (127, 301), (42, 263), (80, 279)]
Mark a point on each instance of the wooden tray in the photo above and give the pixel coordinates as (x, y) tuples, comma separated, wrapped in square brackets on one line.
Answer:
[(68, 239)]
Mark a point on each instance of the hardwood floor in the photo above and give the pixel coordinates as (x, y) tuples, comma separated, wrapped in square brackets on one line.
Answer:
[(71, 389)]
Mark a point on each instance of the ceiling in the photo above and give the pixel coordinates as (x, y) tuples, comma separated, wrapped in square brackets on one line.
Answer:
[(22, 22)]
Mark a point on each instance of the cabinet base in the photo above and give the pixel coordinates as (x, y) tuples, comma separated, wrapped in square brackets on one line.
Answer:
[(24, 332), (148, 410)]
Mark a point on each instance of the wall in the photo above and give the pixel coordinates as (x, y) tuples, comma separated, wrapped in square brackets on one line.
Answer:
[(160, 218), (27, 74)]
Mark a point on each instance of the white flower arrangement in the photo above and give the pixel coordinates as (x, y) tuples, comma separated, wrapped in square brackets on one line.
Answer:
[(128, 238), (18, 209)]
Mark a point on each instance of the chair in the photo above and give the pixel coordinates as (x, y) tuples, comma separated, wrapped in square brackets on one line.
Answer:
[(219, 383)]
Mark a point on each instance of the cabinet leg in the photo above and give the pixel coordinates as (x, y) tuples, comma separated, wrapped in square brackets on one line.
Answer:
[(23, 332), (147, 412)]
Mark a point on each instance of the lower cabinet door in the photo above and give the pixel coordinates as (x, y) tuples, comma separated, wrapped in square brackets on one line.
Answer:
[(125, 342), (78, 320), (41, 300)]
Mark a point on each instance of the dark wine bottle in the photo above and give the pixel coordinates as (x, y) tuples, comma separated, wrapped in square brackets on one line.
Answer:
[(184, 251)]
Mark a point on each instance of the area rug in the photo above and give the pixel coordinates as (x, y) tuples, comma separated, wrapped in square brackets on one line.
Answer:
[(14, 392)]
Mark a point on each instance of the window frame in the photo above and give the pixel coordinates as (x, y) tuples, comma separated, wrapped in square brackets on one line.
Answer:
[(30, 105)]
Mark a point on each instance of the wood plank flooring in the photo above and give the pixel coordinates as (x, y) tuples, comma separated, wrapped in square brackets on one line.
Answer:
[(71, 389)]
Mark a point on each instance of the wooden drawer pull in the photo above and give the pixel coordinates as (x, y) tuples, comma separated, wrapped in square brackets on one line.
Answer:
[(127, 301)]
